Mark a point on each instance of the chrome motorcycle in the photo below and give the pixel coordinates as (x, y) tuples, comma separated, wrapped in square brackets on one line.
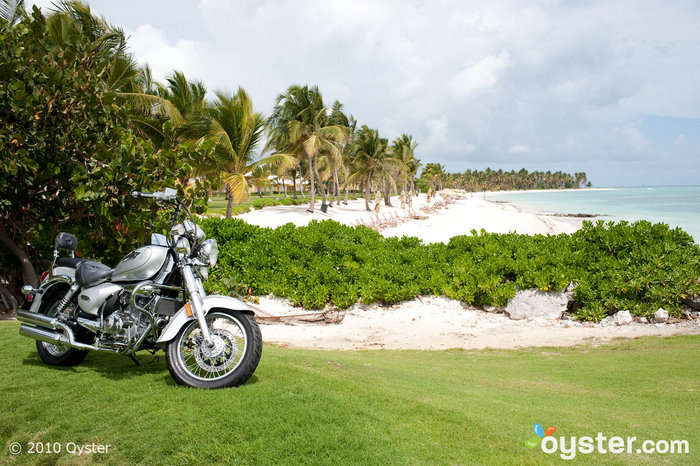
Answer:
[(153, 299)]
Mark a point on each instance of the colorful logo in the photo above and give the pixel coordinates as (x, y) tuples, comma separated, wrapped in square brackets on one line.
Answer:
[(541, 433)]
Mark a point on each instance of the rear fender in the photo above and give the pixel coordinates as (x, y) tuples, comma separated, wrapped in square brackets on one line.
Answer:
[(50, 286), (181, 318)]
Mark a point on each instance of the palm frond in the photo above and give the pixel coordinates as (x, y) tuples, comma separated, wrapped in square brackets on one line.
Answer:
[(237, 185), (11, 10), (281, 160), (152, 105), (222, 137)]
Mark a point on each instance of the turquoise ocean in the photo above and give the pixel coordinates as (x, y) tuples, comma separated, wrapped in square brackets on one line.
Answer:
[(677, 206)]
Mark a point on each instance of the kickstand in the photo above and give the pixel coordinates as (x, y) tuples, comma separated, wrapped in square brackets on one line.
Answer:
[(133, 358)]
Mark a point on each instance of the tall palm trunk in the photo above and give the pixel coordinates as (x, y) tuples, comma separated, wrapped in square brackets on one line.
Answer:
[(331, 191), (312, 187), (368, 190), (336, 186), (229, 203), (347, 188), (386, 191), (294, 182), (321, 185)]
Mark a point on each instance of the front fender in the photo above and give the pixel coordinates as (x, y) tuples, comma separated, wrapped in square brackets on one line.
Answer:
[(210, 302)]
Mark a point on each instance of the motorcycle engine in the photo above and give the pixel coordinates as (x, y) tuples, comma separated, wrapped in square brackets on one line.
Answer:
[(124, 324)]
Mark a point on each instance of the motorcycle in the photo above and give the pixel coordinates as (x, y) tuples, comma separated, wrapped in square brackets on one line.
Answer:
[(152, 300)]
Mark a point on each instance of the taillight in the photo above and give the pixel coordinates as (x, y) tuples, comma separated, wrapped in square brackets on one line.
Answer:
[(44, 275)]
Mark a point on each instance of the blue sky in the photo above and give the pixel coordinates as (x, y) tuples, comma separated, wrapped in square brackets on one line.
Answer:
[(606, 87)]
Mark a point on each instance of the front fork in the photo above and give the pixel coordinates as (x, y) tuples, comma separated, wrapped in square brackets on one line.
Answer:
[(197, 298)]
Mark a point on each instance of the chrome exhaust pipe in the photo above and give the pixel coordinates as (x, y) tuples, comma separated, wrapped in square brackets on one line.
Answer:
[(55, 338), (37, 319), (42, 335), (43, 332)]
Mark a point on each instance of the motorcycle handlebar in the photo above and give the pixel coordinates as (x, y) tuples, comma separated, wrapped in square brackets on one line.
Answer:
[(168, 194)]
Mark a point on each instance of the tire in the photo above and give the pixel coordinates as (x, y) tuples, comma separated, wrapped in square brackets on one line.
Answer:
[(232, 360), (57, 355)]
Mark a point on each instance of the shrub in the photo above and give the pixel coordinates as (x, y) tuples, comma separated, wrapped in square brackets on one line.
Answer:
[(639, 267), (264, 202)]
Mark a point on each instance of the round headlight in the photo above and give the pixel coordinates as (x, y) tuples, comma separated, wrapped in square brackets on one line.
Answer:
[(209, 252)]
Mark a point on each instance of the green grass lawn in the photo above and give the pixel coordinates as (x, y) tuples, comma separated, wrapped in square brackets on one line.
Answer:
[(357, 407), (217, 204)]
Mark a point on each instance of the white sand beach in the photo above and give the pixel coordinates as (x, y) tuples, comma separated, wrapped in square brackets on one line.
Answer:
[(432, 323), (456, 218)]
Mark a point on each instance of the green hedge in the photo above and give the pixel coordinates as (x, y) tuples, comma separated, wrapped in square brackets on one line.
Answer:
[(639, 266)]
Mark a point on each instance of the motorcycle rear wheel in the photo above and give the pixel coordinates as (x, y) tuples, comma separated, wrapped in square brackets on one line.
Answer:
[(57, 355), (230, 362)]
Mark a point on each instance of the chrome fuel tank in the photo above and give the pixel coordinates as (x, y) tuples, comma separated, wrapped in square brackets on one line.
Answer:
[(140, 264)]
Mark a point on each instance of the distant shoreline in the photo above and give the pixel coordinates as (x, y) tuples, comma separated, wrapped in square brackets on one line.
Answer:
[(676, 206)]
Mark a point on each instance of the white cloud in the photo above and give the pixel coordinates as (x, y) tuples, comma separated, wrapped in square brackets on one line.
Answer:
[(438, 129), (480, 77), (518, 149), (440, 140), (680, 144), (150, 45), (628, 143), (409, 87), (561, 78)]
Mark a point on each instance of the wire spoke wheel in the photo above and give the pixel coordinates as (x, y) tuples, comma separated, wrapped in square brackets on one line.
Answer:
[(229, 361), (54, 350), (211, 363), (58, 354)]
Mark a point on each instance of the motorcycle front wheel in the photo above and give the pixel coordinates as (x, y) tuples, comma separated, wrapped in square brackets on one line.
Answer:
[(229, 362)]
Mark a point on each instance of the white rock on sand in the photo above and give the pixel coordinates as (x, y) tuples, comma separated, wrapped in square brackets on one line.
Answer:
[(437, 322)]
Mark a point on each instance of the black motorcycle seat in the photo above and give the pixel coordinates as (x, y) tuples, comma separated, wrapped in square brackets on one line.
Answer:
[(91, 273), (72, 262)]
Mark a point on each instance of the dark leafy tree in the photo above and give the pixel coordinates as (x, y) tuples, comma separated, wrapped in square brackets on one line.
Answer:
[(69, 160)]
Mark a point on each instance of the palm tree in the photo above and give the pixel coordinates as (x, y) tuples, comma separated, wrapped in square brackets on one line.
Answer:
[(435, 173), (404, 149), (339, 164), (369, 158), (238, 128), (299, 127)]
